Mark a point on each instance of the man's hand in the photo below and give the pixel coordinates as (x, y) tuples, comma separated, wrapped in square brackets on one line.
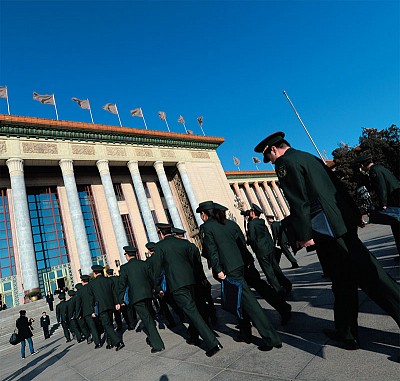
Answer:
[(117, 307), (221, 275), (93, 315), (362, 223), (308, 243), (161, 293)]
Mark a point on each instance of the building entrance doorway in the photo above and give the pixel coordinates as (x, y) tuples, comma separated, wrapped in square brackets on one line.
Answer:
[(55, 277)]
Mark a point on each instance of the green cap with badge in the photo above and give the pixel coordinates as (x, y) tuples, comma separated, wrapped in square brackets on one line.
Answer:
[(265, 145)]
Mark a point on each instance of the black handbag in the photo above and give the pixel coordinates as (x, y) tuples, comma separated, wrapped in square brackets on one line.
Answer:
[(14, 339)]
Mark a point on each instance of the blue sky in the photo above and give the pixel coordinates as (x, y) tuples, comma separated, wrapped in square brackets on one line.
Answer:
[(226, 60)]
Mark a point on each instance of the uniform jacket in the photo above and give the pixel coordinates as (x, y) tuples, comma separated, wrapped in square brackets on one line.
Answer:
[(49, 298), (222, 242), (278, 234), (136, 275), (259, 238), (71, 308), (62, 312), (305, 179), (83, 301), (385, 185), (176, 257), (102, 292), (24, 327), (44, 321)]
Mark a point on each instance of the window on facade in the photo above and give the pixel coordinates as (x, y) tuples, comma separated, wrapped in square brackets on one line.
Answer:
[(130, 235), (7, 261), (118, 192), (47, 229), (93, 233)]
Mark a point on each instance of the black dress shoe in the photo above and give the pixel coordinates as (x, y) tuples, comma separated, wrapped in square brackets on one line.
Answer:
[(154, 350), (119, 346), (211, 352), (193, 341), (79, 341), (68, 341), (348, 344), (109, 346), (97, 346), (241, 339), (265, 348)]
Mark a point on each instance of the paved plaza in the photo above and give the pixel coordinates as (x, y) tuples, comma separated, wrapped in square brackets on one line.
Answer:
[(306, 353)]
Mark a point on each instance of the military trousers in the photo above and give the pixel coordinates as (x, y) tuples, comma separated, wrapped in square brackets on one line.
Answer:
[(65, 328), (106, 318), (184, 298), (351, 265), (286, 252), (154, 337), (74, 328), (89, 320), (83, 327), (254, 311)]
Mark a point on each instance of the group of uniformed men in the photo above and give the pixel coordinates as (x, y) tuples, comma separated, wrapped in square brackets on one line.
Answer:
[(173, 271)]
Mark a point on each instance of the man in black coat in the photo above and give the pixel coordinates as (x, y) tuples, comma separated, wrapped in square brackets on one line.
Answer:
[(103, 301), (45, 323), (72, 316), (322, 210), (50, 300), (62, 316)]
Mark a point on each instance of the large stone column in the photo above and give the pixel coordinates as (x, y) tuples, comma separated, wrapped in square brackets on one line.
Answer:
[(261, 196), (142, 201), (272, 198), (112, 203), (78, 224), (26, 248), (250, 194), (281, 200), (189, 190), (169, 198)]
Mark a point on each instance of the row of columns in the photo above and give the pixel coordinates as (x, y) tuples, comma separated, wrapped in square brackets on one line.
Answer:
[(23, 225), (271, 207)]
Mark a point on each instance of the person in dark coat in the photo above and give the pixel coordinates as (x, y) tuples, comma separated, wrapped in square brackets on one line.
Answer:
[(220, 240), (62, 316), (263, 247), (103, 299), (72, 317), (322, 211), (24, 327), (137, 275), (50, 300), (83, 327), (84, 308), (45, 324), (386, 187), (176, 257)]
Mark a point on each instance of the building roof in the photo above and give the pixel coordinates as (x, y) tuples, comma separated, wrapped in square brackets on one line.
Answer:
[(29, 127)]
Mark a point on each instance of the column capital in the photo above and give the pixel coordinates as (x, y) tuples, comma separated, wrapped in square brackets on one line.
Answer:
[(15, 166), (181, 165), (159, 166), (133, 166), (103, 167), (67, 166)]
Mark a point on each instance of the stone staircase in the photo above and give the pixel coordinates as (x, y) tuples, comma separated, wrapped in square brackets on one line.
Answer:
[(33, 310)]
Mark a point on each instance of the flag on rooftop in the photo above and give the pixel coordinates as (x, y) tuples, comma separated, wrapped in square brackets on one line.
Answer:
[(162, 115), (111, 107), (137, 112), (181, 120), (44, 99), (3, 92), (82, 103), (256, 160), (200, 120), (236, 161)]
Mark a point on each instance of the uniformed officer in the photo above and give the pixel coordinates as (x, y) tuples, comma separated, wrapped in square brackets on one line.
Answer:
[(281, 240), (177, 259), (117, 314), (83, 305), (137, 275), (103, 299), (81, 322), (387, 188), (62, 316), (322, 210), (72, 318), (220, 240)]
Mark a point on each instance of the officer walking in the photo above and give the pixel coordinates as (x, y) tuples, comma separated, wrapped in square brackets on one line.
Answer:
[(176, 257), (72, 317), (137, 275), (103, 299), (62, 316), (322, 210)]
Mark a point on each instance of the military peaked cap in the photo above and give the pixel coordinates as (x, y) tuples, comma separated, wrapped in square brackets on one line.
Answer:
[(61, 296), (97, 268), (130, 249), (85, 278), (205, 205), (71, 293), (220, 207), (110, 271), (164, 227), (78, 286), (270, 216), (256, 208), (272, 140), (150, 246), (178, 231)]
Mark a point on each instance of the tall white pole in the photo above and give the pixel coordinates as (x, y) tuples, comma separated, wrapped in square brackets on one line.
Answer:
[(167, 124), (144, 120), (305, 128), (8, 105), (91, 116), (201, 128), (184, 126), (118, 116), (55, 106)]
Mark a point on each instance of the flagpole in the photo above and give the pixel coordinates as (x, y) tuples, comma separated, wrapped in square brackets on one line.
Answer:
[(144, 121), (118, 115), (8, 105), (90, 110), (201, 128), (305, 128), (184, 126), (55, 106), (256, 167), (167, 124)]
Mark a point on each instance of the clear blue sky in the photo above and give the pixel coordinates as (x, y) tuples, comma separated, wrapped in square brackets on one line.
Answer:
[(226, 60)]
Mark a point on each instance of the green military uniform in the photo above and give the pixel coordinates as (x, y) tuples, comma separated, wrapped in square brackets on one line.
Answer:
[(308, 183), (62, 316), (387, 188), (221, 245), (263, 246), (84, 306), (281, 240), (176, 257), (103, 296), (136, 275), (72, 316), (81, 322)]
